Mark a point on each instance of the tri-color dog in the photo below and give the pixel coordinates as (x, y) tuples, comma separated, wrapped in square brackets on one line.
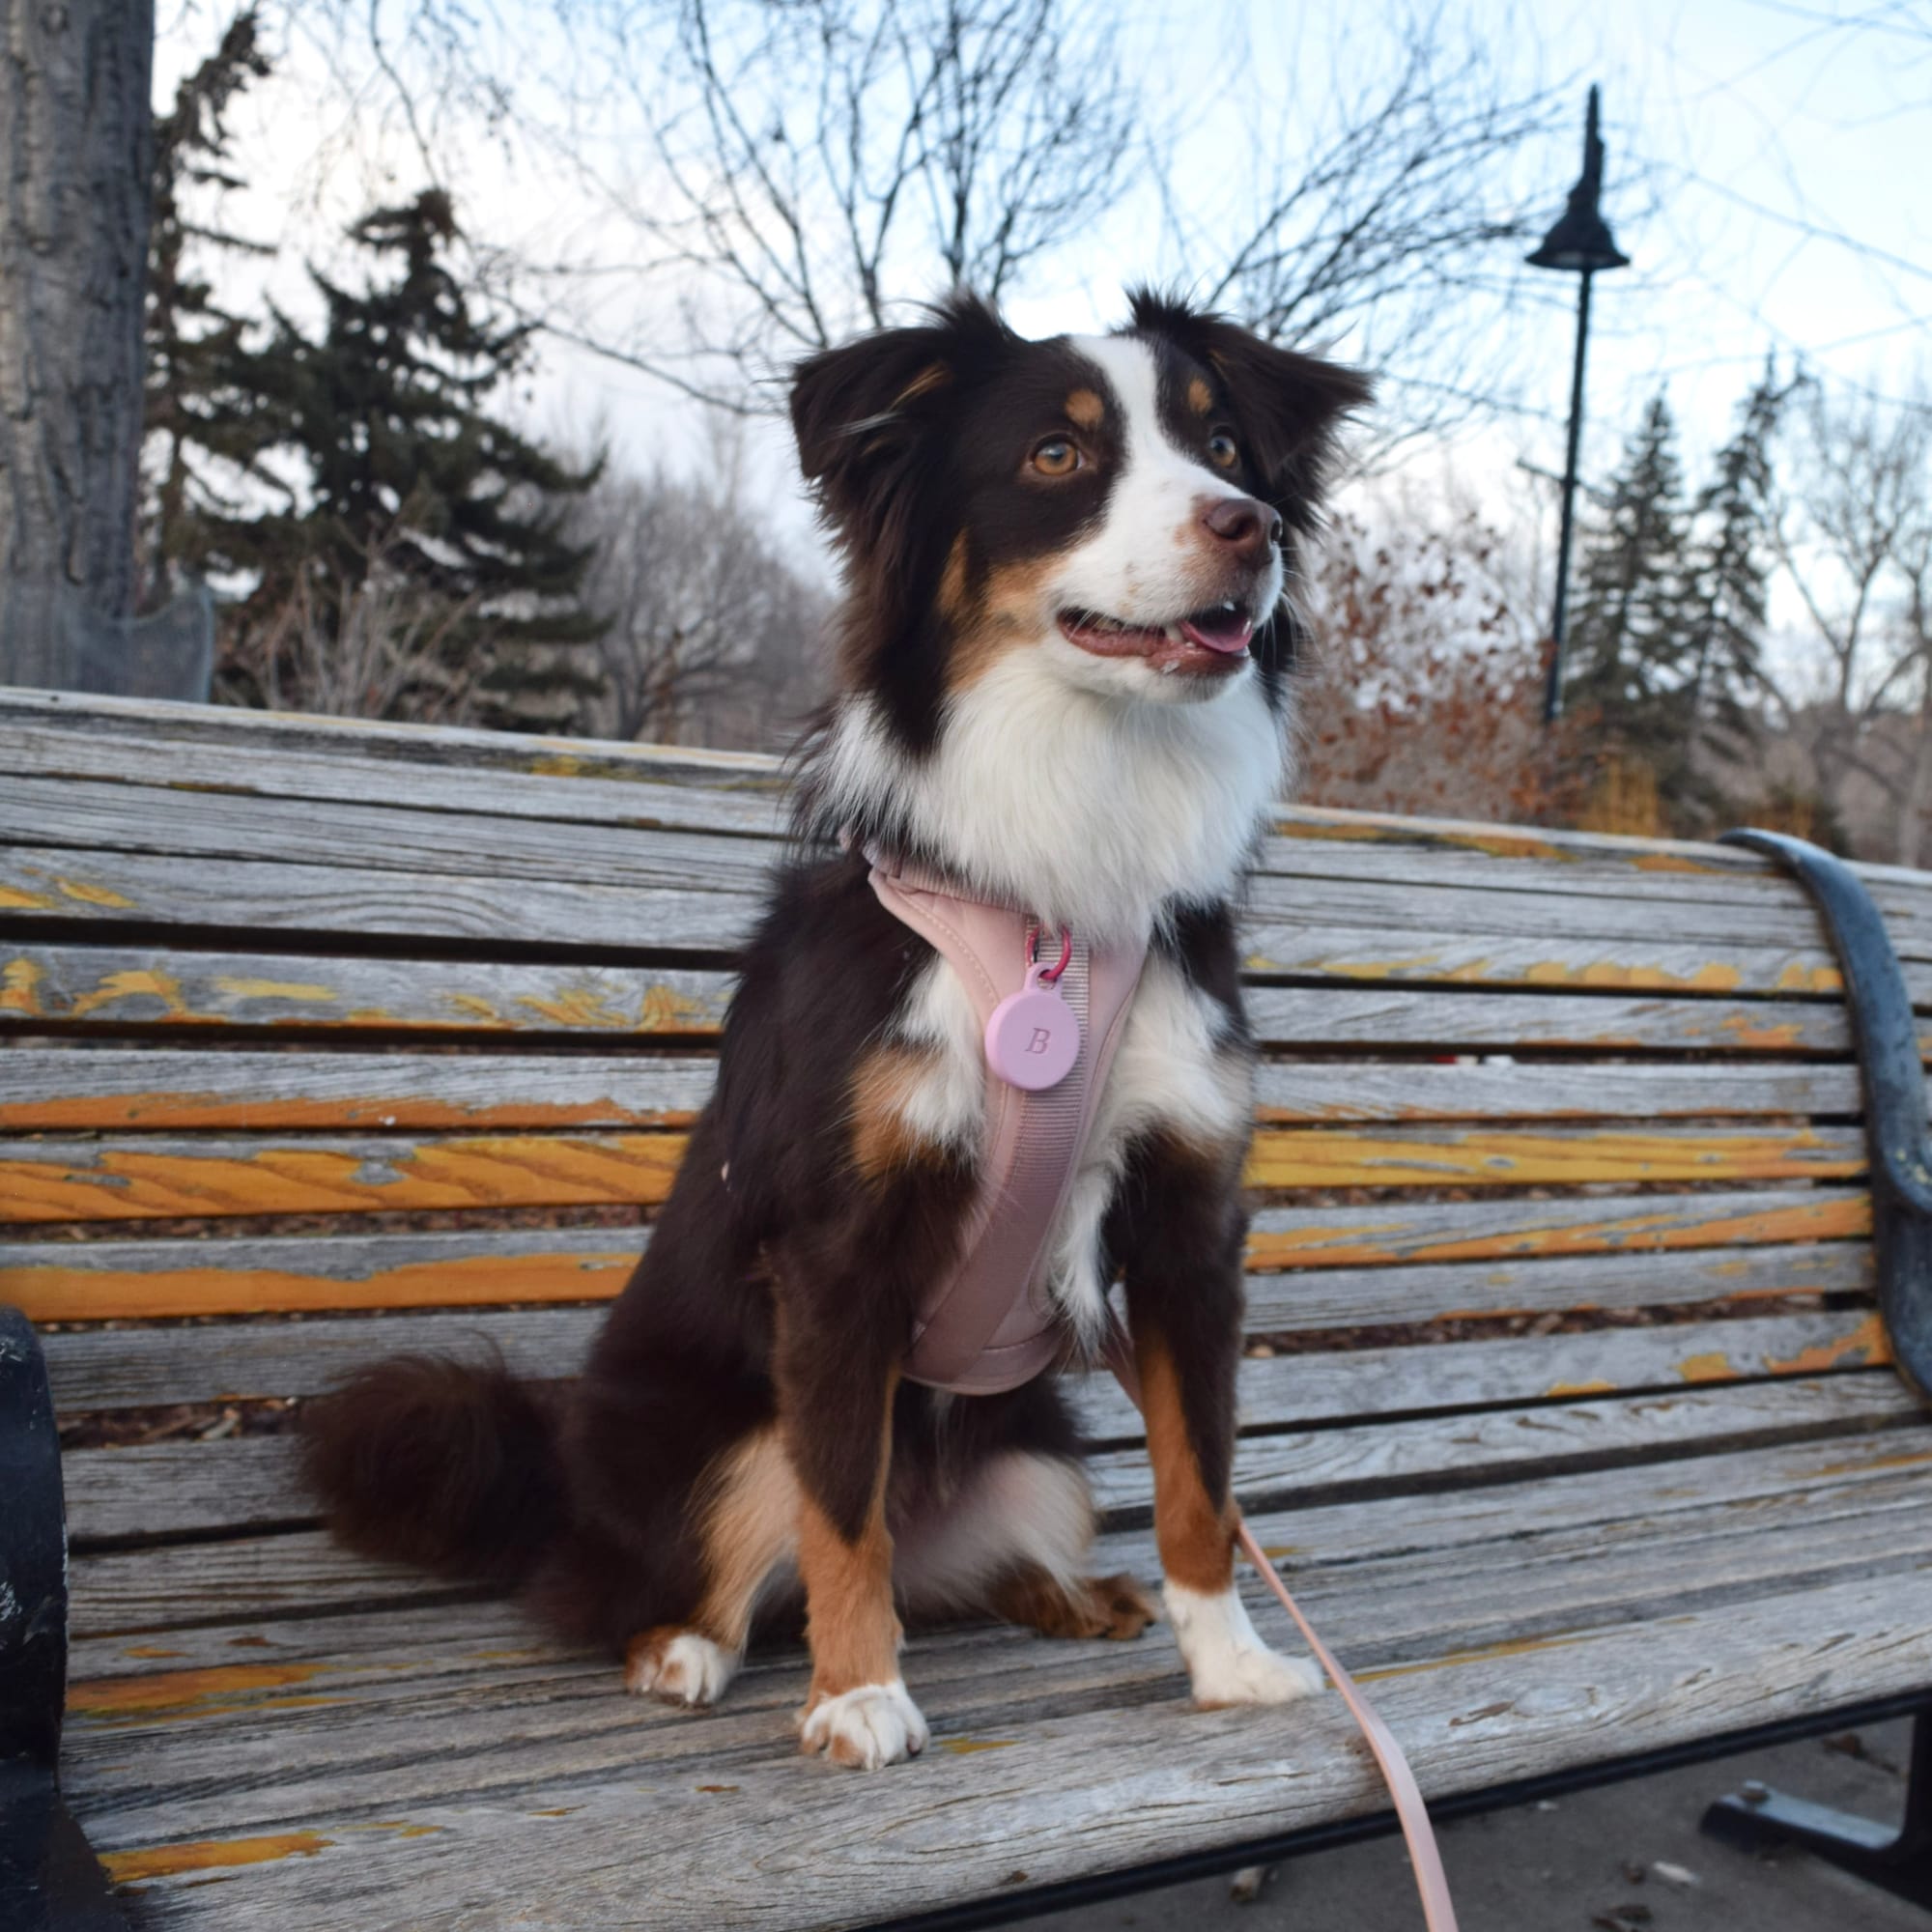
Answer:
[(1063, 677)]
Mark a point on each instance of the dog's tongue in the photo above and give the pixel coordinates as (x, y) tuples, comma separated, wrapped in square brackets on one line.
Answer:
[(1227, 634)]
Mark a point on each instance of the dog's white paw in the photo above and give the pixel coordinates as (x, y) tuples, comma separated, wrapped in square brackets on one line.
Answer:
[(679, 1667), (871, 1725), (1227, 1662)]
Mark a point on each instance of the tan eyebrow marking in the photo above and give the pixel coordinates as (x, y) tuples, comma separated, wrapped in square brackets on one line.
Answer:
[(1200, 397), (1086, 409)]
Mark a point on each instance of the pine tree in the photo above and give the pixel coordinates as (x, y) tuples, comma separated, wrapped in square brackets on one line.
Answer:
[(1729, 569), (196, 409), (1632, 641), (407, 479)]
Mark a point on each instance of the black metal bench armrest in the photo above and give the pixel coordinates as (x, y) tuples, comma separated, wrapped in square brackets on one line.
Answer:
[(1894, 1087)]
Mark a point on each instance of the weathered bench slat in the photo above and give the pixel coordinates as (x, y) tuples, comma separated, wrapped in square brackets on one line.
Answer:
[(1503, 1249), (1145, 1781), (248, 896), (701, 797), (455, 746), (92, 884), (589, 785), (256, 1360), (109, 986), (1475, 1021), (125, 1179), (124, 1280), (1395, 1231), (48, 1090), (55, 1089), (174, 1490), (47, 815)]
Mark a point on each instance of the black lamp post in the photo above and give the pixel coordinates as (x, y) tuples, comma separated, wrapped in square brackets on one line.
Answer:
[(1581, 242)]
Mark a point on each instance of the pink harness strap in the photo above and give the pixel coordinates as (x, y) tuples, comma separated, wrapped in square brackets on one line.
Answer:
[(990, 1324)]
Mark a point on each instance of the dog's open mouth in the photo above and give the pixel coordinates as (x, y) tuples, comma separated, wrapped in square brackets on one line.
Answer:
[(1208, 642)]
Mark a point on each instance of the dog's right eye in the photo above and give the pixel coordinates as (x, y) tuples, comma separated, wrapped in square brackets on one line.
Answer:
[(1056, 456)]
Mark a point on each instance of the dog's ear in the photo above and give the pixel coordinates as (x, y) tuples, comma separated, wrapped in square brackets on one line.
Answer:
[(862, 411), (1290, 404)]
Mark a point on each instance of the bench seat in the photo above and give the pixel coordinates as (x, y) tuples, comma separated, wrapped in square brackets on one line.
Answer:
[(1568, 1411)]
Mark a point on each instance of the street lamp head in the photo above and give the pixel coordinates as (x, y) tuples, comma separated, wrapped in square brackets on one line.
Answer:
[(1582, 240)]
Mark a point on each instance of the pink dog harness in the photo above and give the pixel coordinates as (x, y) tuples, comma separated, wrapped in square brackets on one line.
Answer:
[(989, 1324)]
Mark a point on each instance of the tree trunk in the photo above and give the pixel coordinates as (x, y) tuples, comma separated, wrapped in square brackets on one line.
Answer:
[(77, 143)]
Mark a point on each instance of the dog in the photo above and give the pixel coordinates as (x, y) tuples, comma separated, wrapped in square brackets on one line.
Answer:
[(1063, 672)]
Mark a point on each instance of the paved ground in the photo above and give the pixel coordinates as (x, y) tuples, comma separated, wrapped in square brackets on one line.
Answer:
[(1586, 1863)]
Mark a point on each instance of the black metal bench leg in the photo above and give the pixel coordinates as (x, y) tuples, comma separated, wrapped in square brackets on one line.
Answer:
[(50, 1879), (1899, 1861)]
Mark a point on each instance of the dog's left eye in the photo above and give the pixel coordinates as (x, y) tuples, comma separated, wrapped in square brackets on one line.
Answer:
[(1223, 450), (1056, 456)]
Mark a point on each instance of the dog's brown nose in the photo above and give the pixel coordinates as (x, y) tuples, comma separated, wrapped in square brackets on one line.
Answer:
[(1243, 524)]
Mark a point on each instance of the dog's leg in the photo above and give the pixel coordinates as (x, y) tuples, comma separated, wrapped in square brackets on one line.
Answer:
[(1185, 1304), (750, 1529), (836, 1406)]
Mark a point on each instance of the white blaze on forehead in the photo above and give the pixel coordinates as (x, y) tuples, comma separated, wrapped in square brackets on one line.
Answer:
[(1137, 563)]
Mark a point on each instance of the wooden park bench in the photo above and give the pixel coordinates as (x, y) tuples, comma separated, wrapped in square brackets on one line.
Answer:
[(1577, 1426)]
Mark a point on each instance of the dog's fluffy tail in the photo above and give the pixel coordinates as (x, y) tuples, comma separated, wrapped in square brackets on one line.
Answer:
[(449, 1466)]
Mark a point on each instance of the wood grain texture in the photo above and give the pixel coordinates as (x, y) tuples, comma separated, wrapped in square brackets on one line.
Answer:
[(1396, 1230), (1400, 1261), (52, 1180), (50, 1089), (967, 1821), (571, 780), (1289, 1391), (90, 887), (1365, 1090), (135, 1280), (175, 1490), (1283, 1300), (141, 1367), (130, 1179), (1478, 1021), (107, 987)]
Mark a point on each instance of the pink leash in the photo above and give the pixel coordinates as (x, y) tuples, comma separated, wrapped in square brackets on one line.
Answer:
[(1438, 1911)]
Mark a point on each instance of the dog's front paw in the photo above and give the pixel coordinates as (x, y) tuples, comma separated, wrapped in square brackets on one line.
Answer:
[(871, 1725), (1226, 1660), (678, 1666)]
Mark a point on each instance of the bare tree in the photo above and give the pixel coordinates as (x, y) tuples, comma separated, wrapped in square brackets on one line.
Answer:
[(1853, 537), (812, 166), (1384, 210), (715, 633), (76, 127)]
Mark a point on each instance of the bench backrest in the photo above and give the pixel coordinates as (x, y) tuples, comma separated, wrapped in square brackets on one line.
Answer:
[(319, 1018)]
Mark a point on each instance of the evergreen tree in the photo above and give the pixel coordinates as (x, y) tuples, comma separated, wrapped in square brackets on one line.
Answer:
[(195, 403), (1632, 641), (1729, 570), (406, 479)]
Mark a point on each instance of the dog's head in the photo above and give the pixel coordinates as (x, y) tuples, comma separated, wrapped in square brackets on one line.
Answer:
[(1121, 505)]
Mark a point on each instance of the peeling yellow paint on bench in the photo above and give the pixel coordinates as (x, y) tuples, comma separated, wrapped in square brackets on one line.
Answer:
[(1865, 1346), (210, 1855)]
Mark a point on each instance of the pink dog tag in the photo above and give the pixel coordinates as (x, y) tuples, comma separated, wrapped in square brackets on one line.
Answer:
[(1033, 1037)]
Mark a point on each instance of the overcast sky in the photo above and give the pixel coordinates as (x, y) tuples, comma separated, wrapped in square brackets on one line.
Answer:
[(1747, 139)]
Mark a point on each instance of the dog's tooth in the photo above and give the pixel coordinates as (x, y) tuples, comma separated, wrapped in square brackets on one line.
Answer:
[(1173, 632)]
